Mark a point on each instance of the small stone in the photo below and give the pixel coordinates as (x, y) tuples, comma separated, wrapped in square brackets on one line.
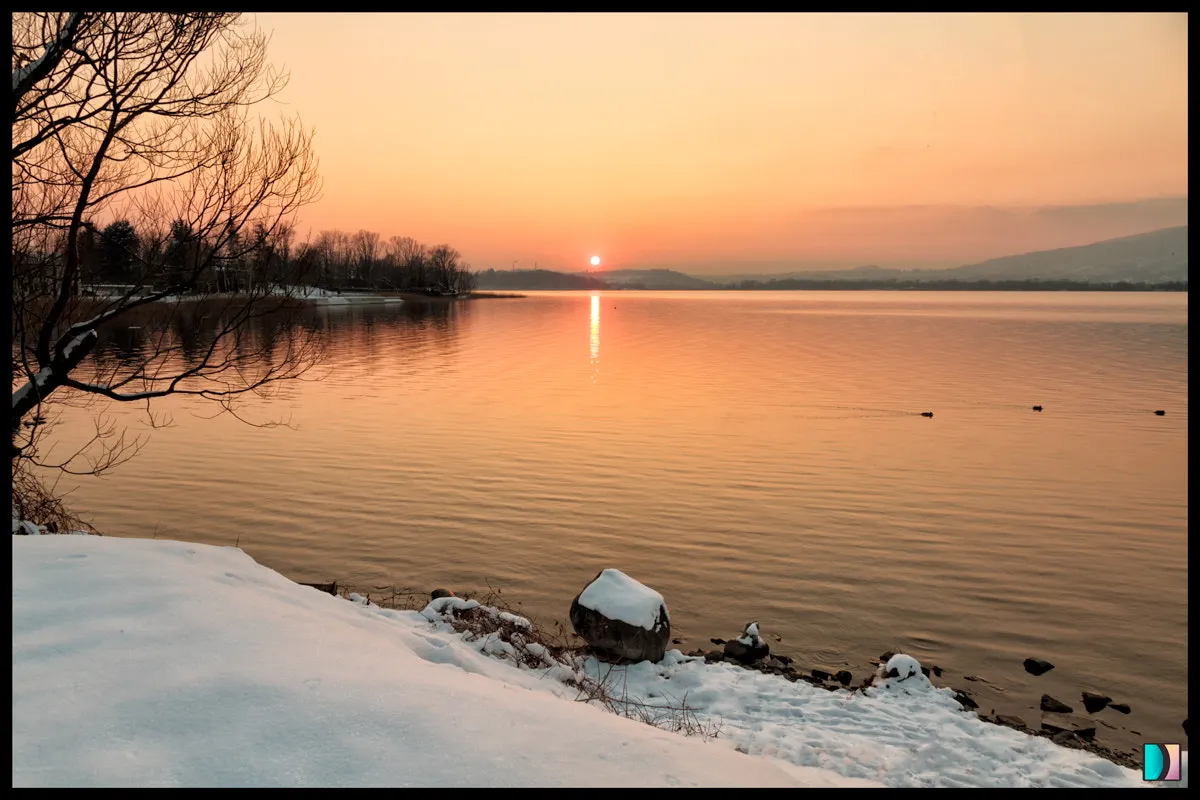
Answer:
[(1036, 666), (1121, 707), (677, 641), (965, 700), (1010, 721), (1095, 702), (937, 670), (1055, 706), (821, 674), (717, 642), (843, 677), (831, 687), (811, 679), (439, 593), (1057, 723), (1067, 739)]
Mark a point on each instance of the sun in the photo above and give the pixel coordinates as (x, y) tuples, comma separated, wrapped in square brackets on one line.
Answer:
[(595, 261)]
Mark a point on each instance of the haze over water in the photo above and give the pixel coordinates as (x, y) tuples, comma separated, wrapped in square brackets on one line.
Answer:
[(753, 456)]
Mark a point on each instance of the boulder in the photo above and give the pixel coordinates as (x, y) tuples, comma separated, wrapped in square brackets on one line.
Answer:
[(1055, 706), (843, 677), (1036, 666), (620, 617), (1095, 702), (437, 593), (1121, 707)]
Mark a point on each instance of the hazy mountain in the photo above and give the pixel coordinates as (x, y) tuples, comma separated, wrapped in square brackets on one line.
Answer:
[(534, 280), (651, 279), (1154, 257)]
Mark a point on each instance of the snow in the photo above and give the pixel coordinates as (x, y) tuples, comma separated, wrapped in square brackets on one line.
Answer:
[(750, 637), (617, 596), (159, 663)]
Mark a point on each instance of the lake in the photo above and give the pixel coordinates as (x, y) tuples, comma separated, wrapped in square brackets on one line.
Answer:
[(752, 456)]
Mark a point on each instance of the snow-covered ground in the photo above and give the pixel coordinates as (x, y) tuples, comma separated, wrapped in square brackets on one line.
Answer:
[(159, 663)]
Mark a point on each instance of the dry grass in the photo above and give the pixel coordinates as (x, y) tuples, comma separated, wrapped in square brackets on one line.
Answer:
[(510, 635), (38, 503)]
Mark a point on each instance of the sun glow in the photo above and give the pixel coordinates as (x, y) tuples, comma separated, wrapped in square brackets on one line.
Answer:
[(595, 261)]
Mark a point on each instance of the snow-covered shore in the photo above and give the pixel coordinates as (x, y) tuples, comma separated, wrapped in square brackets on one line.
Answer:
[(159, 663)]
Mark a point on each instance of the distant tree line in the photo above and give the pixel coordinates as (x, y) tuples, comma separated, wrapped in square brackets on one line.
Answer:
[(120, 254), (959, 285)]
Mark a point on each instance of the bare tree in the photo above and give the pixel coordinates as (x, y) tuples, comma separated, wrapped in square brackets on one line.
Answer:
[(146, 117)]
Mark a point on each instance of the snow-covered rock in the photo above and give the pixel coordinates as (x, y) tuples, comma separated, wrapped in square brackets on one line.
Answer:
[(618, 615), (901, 673), (749, 648)]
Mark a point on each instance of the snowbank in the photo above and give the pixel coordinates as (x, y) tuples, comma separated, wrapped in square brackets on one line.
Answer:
[(615, 595), (157, 663)]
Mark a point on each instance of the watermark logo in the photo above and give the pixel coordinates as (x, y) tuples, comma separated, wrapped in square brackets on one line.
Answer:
[(1160, 762)]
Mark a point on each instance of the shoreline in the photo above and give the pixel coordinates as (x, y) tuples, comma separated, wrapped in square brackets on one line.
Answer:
[(1077, 731)]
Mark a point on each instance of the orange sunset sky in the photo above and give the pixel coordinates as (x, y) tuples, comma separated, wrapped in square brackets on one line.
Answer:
[(741, 142)]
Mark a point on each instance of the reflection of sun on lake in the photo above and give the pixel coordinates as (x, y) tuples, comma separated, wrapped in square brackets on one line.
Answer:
[(595, 328)]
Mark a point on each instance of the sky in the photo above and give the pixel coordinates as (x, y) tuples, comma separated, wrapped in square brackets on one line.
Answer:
[(725, 143)]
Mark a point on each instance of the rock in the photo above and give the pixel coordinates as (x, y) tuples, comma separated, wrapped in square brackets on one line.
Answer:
[(775, 662), (843, 677), (787, 660), (327, 588), (1055, 706), (926, 671), (810, 679), (1095, 702), (965, 700), (677, 641), (717, 641), (926, 413), (437, 593), (1067, 739), (1010, 721), (937, 670), (1036, 666), (1160, 413), (1037, 408), (619, 616), (821, 674), (749, 648), (1124, 708), (886, 657), (745, 654), (713, 656), (1058, 723)]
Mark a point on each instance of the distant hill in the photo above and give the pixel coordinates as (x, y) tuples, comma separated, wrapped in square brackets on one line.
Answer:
[(534, 280), (652, 279), (1156, 257), (1153, 257)]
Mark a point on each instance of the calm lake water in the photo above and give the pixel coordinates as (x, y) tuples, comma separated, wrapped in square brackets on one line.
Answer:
[(753, 456)]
